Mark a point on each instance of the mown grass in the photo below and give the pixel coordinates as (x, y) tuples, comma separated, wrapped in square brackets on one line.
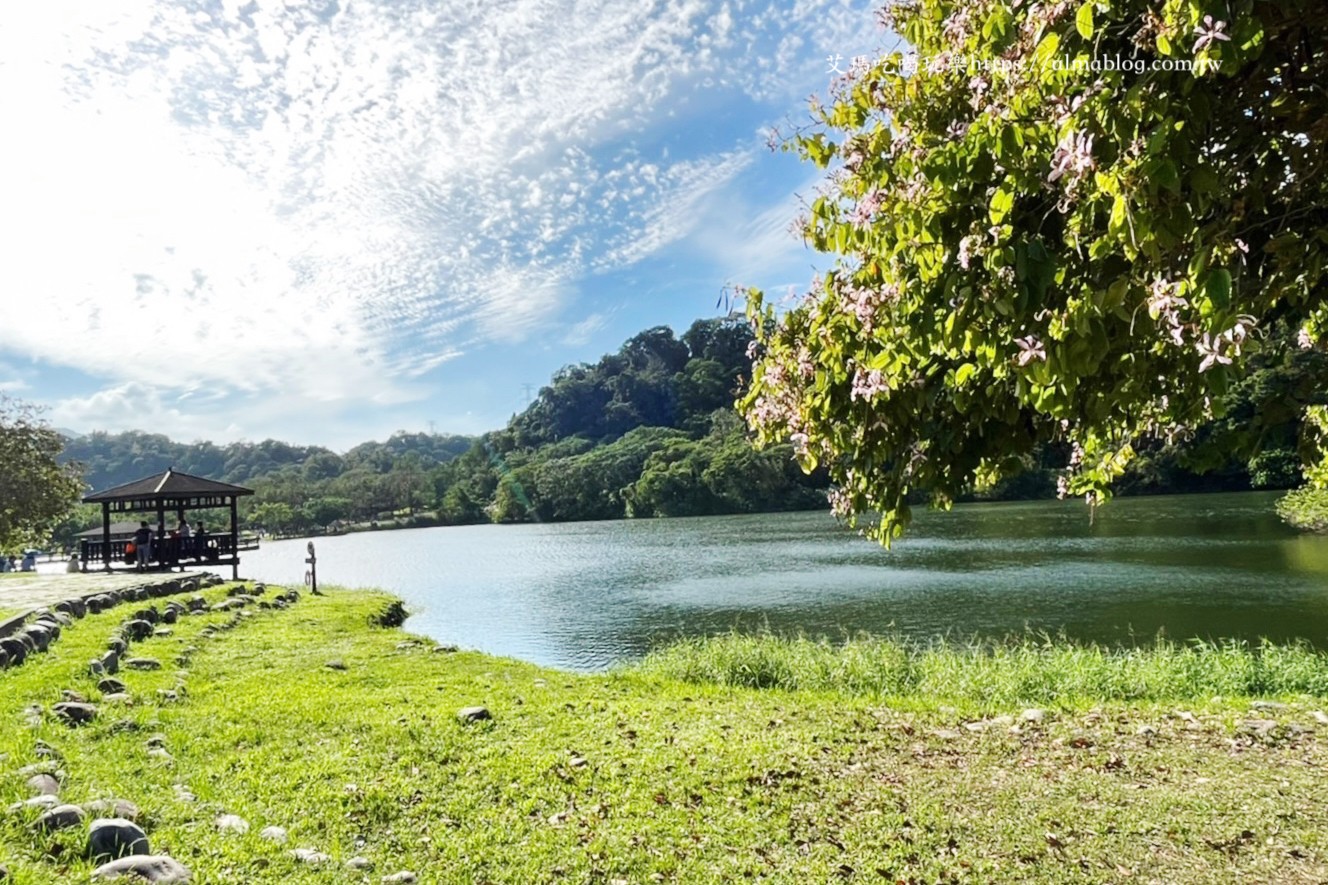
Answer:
[(636, 776), (989, 675)]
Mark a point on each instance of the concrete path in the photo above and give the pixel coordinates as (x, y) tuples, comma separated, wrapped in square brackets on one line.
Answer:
[(22, 592)]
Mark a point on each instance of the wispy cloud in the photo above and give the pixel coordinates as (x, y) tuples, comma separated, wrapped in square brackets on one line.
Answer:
[(330, 198)]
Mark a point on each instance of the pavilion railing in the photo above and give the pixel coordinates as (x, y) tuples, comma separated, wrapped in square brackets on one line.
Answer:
[(168, 552)]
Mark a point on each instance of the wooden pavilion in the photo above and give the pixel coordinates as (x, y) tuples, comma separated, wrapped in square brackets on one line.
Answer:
[(167, 493)]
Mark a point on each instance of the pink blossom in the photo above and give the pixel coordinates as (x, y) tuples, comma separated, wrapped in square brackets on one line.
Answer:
[(1213, 348), (968, 247), (840, 504), (1073, 157), (1062, 487), (1209, 31), (868, 384), (1030, 350), (1303, 339), (1162, 298), (866, 209)]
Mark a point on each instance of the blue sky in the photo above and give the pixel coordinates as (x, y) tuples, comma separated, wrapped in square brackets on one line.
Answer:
[(325, 221)]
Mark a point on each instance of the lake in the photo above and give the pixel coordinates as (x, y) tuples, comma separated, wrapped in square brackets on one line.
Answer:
[(586, 595)]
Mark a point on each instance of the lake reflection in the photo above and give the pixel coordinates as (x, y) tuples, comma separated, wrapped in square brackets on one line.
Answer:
[(585, 595)]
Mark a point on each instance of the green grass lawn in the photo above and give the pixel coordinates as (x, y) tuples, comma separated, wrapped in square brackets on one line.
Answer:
[(656, 773)]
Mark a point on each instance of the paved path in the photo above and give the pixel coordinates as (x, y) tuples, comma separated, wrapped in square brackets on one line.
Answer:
[(24, 592)]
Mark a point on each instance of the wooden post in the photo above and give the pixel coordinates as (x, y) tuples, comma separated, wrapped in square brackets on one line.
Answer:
[(106, 535), (235, 543), (311, 576)]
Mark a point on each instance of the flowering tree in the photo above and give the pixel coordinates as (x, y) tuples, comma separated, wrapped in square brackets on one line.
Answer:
[(1065, 223)]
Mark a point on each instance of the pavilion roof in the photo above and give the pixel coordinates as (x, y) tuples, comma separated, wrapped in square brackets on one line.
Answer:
[(170, 484)]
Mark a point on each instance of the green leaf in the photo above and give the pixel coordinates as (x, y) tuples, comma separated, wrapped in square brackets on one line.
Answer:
[(1083, 21), (1218, 288), (1163, 44), (963, 373), (1001, 203), (1047, 49), (1120, 210)]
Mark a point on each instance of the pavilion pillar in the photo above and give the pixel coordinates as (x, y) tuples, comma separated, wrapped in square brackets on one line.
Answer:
[(106, 535), (235, 542)]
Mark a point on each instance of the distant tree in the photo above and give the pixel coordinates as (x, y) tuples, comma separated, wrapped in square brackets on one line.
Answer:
[(36, 490)]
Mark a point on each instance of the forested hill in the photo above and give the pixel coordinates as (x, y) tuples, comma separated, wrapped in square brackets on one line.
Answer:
[(111, 459), (649, 430)]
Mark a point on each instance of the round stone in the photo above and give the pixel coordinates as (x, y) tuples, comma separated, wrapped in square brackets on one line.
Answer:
[(115, 837), (61, 817), (158, 869)]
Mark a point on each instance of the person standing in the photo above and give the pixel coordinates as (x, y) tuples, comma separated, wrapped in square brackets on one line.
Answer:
[(143, 545), (186, 545), (200, 542)]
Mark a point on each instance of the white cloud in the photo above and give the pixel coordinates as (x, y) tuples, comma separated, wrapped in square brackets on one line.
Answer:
[(326, 200)]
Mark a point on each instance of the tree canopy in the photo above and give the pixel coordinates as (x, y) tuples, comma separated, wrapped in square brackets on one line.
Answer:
[(35, 489), (1069, 223)]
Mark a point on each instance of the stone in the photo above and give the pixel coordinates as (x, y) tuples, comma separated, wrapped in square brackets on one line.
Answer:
[(310, 856), (231, 823), (117, 697), (44, 784), (15, 648), (155, 868), (40, 637), (45, 802), (445, 649), (170, 616), (143, 664), (137, 630), (274, 834), (46, 751), (359, 863), (336, 664), (75, 696), (474, 714), (121, 808), (147, 614), (111, 838), (1320, 717), (74, 713), (95, 669), (117, 645), (163, 632), (1260, 727), (111, 686), (1267, 705), (110, 662), (1032, 714), (405, 877), (61, 817)]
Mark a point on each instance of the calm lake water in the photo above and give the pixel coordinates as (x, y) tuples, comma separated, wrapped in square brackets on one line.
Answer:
[(585, 595)]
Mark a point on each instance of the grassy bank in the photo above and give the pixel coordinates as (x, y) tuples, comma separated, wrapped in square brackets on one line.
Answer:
[(997, 675), (659, 773)]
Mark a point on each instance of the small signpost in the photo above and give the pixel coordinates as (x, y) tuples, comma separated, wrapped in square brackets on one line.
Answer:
[(311, 574)]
